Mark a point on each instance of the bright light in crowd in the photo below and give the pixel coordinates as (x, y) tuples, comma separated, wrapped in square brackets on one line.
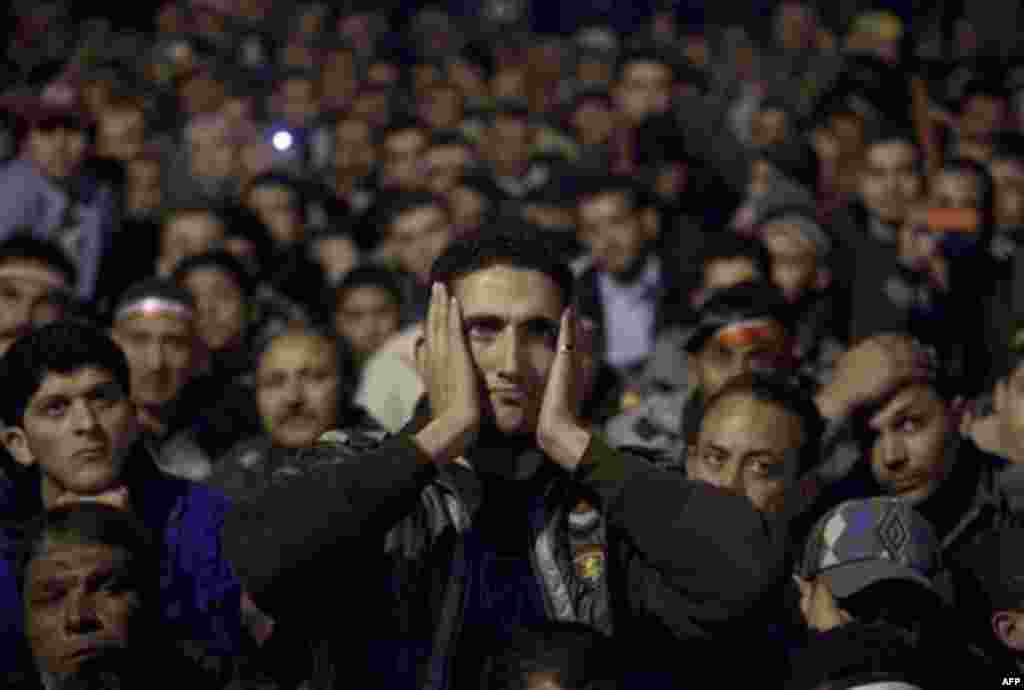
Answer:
[(282, 141)]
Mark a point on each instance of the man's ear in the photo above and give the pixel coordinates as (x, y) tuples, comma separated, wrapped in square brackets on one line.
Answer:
[(1008, 630), (16, 442)]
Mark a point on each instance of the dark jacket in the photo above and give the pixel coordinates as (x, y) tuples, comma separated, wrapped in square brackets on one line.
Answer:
[(312, 526)]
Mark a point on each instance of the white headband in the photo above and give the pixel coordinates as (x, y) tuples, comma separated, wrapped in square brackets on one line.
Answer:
[(155, 305)]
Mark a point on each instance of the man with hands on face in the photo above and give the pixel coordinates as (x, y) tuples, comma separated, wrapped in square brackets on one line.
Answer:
[(472, 499)]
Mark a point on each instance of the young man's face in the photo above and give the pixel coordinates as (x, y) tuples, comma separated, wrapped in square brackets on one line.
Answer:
[(795, 269), (418, 237), (277, 209), (297, 389), (469, 209), (161, 350), (511, 317), (187, 235), (955, 189), (593, 122), (1008, 177), (121, 133), (1010, 393), (644, 89), (441, 107), (81, 600), (769, 126), (983, 117), (890, 181), (57, 151), (510, 141), (298, 102), (446, 165), (220, 307), (353, 148), (77, 428), (401, 156), (143, 189), (212, 154), (32, 294), (910, 441), (750, 447), (740, 349), (366, 317), (615, 233)]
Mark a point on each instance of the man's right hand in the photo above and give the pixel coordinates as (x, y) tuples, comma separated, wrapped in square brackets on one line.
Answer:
[(872, 371), (451, 378)]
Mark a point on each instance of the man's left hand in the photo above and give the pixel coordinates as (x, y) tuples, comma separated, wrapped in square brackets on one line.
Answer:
[(560, 432)]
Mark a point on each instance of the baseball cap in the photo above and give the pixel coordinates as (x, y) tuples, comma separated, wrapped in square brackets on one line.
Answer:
[(750, 305), (863, 542)]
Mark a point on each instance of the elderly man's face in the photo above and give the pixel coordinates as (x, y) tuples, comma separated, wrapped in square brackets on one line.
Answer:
[(297, 384), (81, 601)]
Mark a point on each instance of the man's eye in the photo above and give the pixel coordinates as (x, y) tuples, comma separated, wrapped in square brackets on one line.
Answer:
[(766, 468), (482, 331), (909, 426), (55, 409), (712, 458)]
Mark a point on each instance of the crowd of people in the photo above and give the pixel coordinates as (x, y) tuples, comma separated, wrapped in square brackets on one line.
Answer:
[(349, 347)]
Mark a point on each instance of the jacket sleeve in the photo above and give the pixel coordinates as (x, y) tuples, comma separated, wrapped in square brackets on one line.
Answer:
[(703, 558), (321, 520)]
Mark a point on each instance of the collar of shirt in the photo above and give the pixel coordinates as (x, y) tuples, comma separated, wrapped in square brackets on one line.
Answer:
[(644, 289)]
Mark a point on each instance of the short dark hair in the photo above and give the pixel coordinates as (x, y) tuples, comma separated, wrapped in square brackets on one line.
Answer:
[(786, 392), (985, 87), (63, 348), (410, 201), (24, 247), (589, 186), (727, 245), (509, 242), (576, 655), (220, 259), (449, 138), (368, 275), (883, 132), (89, 524), (645, 53)]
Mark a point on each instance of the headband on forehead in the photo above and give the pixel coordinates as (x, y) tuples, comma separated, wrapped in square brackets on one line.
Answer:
[(747, 332), (153, 306)]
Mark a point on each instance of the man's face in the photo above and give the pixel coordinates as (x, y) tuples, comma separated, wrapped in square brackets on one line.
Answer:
[(212, 155), (614, 232), (383, 74), (1010, 393), (353, 148), (770, 126), (277, 209), (794, 260), (469, 208), (750, 447), (401, 159), (645, 89), (441, 107), (1008, 177), (727, 272), (77, 428), (418, 237), (58, 151), (510, 141), (161, 351), (297, 389), (982, 118), (31, 295), (143, 190), (593, 122), (911, 436), (220, 307), (373, 106), (890, 180), (298, 102), (188, 235), (121, 133), (511, 317), (81, 600), (956, 189), (445, 167), (366, 317), (740, 348)]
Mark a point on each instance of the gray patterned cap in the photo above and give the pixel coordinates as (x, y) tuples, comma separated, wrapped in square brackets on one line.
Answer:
[(859, 543)]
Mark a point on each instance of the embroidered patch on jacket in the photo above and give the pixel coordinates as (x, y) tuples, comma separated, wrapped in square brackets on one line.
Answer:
[(589, 562)]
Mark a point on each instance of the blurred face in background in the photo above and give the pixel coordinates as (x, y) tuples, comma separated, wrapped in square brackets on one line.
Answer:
[(143, 193), (354, 154), (441, 107), (338, 78), (366, 316), (617, 234), (509, 143), (740, 348), (212, 153), (278, 209), (891, 180), (770, 126), (983, 117), (32, 294), (644, 89), (400, 159), (56, 149), (417, 237), (220, 305), (469, 209), (445, 166), (593, 122), (121, 133), (1008, 176), (161, 351), (297, 386), (185, 235), (299, 104)]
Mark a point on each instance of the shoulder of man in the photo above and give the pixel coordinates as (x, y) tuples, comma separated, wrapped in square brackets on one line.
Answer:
[(339, 446)]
